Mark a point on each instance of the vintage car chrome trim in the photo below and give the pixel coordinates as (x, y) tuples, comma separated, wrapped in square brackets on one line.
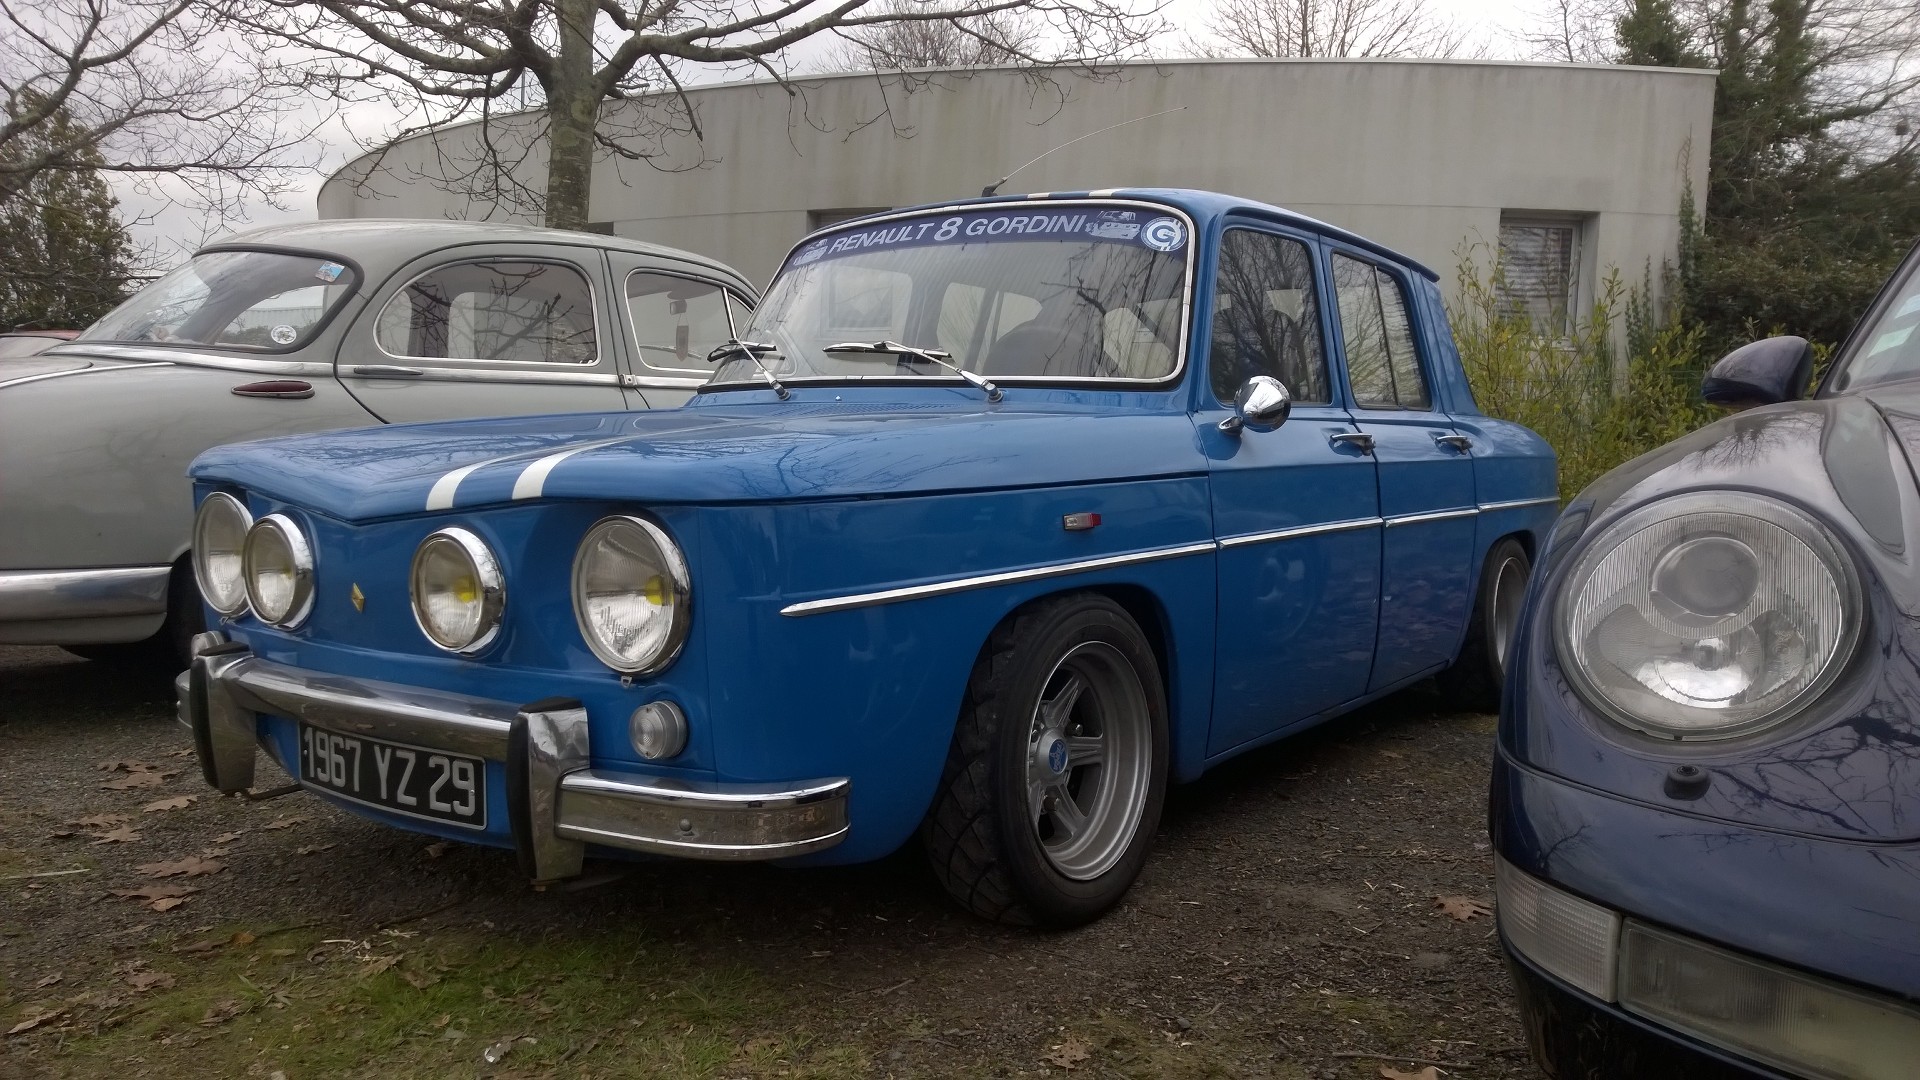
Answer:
[(1433, 515), (92, 369), (560, 804), (1300, 530), (702, 820), (1515, 504), (983, 581), (27, 595), (186, 355)]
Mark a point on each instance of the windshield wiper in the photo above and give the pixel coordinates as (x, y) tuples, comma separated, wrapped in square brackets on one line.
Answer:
[(936, 356), (751, 350)]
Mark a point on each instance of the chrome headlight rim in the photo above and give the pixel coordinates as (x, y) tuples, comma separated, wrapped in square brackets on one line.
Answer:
[(486, 572), (300, 556), (1765, 506), (219, 502), (678, 579)]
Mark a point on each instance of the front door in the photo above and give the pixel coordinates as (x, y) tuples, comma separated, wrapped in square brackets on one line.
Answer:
[(516, 330), (675, 315), (1426, 476), (1295, 508)]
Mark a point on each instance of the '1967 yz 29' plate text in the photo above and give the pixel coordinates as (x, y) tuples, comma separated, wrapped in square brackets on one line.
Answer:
[(411, 780)]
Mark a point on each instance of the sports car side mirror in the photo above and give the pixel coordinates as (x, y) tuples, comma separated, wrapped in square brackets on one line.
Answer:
[(1764, 372), (1261, 404)]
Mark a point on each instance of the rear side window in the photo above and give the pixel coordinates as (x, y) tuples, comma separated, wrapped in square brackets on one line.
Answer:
[(506, 310), (1382, 366), (1266, 317), (677, 321)]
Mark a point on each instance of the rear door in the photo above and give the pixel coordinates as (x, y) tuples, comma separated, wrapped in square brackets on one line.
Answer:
[(1425, 472), (504, 329)]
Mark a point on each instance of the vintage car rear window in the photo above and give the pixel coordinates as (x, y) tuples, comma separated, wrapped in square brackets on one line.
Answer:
[(1060, 292), (259, 300)]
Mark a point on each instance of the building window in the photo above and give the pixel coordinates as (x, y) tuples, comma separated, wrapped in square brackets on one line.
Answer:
[(820, 219), (1540, 270)]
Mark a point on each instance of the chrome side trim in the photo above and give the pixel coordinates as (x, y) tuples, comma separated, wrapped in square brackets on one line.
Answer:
[(29, 595), (91, 370), (193, 356), (983, 581), (1515, 504), (702, 821), (1435, 515), (1348, 525)]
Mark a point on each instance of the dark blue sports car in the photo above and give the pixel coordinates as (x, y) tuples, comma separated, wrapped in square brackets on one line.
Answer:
[(1706, 802)]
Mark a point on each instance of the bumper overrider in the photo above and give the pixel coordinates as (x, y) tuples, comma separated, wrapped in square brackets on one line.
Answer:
[(557, 803)]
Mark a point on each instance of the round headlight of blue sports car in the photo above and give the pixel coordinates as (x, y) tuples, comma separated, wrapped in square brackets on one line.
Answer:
[(279, 571), (631, 595), (458, 591), (219, 538), (1709, 615)]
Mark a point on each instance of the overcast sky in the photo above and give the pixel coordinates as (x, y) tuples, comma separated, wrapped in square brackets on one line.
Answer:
[(171, 232)]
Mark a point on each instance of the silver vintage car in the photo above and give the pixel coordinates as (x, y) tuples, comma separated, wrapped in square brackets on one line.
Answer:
[(304, 328)]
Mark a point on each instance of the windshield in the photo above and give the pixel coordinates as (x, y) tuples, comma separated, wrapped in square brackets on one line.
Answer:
[(238, 299), (1887, 347), (1048, 292)]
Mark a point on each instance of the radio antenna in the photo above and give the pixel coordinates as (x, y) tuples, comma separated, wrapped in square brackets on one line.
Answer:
[(994, 187)]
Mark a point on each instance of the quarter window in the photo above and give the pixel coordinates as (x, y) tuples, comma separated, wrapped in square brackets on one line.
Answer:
[(1266, 318), (1382, 366), (677, 321), (511, 311)]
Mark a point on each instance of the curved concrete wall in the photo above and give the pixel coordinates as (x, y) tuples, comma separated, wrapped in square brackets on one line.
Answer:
[(1421, 155)]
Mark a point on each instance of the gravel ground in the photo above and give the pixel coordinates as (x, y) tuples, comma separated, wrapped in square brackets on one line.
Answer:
[(1287, 924)]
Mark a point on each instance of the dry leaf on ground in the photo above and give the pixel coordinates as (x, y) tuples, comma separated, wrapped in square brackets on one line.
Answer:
[(156, 892), (1428, 1073), (241, 937), (221, 1012), (101, 821), (1462, 907), (150, 980), (50, 980), (1067, 1055), (226, 837), (132, 781), (191, 866), (436, 849), (380, 963), (178, 802), (420, 980), (124, 765), (122, 835), (167, 903), (284, 823), (314, 850), (35, 1021)]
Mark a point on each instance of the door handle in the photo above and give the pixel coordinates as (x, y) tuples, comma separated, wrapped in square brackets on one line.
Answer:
[(1457, 442), (1359, 440), (385, 371)]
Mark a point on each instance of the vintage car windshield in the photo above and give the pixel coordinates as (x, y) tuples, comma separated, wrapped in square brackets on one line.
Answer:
[(1888, 347), (1044, 292), (263, 300)]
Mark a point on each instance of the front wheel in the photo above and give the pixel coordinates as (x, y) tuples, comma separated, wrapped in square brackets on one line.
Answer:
[(1054, 782), (1473, 683)]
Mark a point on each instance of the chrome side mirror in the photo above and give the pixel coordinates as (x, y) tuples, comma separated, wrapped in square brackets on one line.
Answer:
[(1261, 404)]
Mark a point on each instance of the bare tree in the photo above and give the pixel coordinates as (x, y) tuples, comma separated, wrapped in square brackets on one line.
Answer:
[(1304, 28), (148, 88), (1572, 32), (1002, 37), (535, 74)]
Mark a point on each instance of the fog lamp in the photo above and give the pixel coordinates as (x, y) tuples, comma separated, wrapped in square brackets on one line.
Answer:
[(1568, 937), (659, 730)]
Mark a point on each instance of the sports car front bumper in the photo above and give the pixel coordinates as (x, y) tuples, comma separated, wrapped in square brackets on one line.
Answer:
[(557, 803)]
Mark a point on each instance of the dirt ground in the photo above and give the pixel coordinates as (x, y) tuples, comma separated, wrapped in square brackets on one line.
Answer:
[(1286, 926)]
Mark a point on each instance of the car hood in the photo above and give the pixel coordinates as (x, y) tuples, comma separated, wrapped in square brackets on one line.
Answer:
[(772, 452)]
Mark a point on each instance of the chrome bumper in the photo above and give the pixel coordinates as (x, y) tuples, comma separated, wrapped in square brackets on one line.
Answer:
[(556, 802), (34, 595)]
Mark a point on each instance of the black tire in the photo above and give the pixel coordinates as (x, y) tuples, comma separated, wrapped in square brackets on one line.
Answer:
[(1473, 683), (983, 843), (169, 650)]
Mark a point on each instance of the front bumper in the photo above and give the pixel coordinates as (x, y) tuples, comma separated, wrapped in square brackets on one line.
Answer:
[(556, 802)]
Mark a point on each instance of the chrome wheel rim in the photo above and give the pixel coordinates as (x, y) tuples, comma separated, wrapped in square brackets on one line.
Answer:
[(1509, 591), (1089, 760)]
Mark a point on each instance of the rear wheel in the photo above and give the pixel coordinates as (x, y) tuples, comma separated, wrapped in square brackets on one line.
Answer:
[(1055, 778), (1473, 683)]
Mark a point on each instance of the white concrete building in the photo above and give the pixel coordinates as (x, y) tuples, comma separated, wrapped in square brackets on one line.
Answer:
[(1574, 168)]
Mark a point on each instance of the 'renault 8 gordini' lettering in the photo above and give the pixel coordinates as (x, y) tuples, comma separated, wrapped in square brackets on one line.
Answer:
[(950, 228)]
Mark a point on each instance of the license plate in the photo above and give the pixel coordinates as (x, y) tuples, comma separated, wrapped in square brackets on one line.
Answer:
[(401, 779)]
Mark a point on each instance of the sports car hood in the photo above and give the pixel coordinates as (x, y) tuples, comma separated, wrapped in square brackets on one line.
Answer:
[(777, 451)]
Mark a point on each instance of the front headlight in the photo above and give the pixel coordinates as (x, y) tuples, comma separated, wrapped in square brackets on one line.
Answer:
[(219, 537), (279, 569), (1709, 615), (458, 591), (631, 595)]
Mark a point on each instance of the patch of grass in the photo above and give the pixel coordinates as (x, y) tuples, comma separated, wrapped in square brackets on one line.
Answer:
[(610, 1001)]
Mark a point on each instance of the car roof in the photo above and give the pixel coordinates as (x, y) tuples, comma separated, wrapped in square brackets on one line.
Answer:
[(382, 245)]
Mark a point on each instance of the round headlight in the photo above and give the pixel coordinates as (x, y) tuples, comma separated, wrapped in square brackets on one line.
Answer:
[(219, 537), (1708, 616), (458, 591), (630, 594), (278, 565)]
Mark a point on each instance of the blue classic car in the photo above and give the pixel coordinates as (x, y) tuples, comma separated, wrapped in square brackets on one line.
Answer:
[(1706, 802), (993, 520)]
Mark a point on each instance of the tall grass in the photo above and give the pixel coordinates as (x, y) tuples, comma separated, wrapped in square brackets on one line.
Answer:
[(1622, 380)]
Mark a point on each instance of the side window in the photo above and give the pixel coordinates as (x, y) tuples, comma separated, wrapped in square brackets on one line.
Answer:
[(1382, 366), (1266, 318), (507, 310), (676, 321)]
